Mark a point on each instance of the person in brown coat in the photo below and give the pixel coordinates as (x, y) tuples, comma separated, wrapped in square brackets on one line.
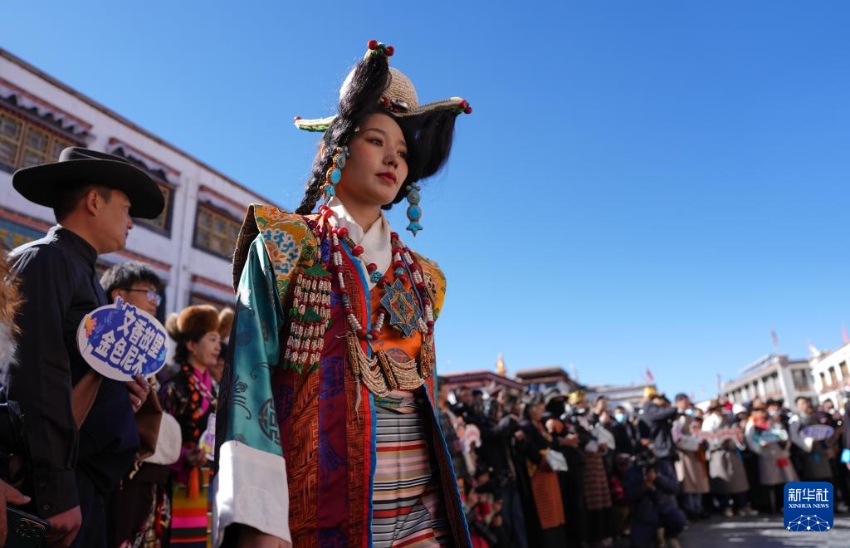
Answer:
[(691, 467)]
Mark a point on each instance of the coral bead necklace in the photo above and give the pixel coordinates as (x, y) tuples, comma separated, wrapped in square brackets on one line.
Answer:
[(405, 311)]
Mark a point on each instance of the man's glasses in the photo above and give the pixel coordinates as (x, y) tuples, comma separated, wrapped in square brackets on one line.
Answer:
[(153, 296)]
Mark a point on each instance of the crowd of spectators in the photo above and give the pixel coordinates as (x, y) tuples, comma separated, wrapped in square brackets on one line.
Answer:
[(552, 469)]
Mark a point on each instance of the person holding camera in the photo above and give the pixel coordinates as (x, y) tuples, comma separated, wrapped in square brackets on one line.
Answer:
[(497, 453), (652, 496), (658, 416)]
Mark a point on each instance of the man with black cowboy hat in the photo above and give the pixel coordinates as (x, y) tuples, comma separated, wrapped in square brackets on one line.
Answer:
[(93, 196)]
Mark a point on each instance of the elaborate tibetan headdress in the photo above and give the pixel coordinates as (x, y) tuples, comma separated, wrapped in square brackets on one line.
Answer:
[(373, 86)]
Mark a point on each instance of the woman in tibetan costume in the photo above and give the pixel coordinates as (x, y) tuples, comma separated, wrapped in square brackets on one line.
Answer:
[(327, 426), (190, 397)]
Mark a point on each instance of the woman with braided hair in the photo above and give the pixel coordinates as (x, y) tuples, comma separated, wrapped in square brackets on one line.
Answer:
[(327, 426)]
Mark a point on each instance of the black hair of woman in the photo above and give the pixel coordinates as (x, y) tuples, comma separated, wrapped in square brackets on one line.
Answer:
[(428, 135)]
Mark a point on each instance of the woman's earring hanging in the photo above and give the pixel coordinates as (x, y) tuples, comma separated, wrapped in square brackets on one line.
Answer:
[(334, 173), (414, 212)]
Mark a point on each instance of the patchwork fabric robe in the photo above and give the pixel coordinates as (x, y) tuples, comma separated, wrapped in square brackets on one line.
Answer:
[(297, 449)]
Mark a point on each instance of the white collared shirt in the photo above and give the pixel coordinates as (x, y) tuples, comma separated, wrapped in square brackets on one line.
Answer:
[(376, 242)]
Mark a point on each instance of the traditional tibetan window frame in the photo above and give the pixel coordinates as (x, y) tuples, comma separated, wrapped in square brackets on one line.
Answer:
[(24, 141), (160, 174), (216, 231), (34, 131)]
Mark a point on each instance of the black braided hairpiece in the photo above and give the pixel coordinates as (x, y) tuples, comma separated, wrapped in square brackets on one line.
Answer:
[(370, 80), (428, 135)]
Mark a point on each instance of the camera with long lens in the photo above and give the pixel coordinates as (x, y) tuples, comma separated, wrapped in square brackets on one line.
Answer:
[(645, 458)]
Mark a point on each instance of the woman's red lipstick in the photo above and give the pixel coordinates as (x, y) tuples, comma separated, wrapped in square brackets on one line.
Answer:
[(388, 176)]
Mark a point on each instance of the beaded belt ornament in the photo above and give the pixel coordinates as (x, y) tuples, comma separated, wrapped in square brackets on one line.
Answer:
[(407, 311), (381, 374)]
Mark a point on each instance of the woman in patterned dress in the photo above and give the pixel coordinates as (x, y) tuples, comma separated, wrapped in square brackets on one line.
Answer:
[(190, 396), (328, 426)]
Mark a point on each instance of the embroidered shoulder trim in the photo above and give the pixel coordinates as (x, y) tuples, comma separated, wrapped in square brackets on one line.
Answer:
[(301, 281), (435, 282)]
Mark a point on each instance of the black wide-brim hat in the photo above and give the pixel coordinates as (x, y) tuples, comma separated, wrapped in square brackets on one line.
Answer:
[(46, 184)]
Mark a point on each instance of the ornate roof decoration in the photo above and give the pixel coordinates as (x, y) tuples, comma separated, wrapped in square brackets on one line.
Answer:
[(154, 167), (43, 112)]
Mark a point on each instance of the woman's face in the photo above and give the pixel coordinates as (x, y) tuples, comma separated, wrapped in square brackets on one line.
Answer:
[(377, 166), (205, 352)]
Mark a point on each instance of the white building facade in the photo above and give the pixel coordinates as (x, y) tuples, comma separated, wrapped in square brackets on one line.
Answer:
[(830, 372), (773, 376), (189, 245)]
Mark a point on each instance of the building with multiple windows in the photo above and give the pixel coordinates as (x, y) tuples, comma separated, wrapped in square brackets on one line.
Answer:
[(619, 394), (772, 376), (189, 244), (830, 373)]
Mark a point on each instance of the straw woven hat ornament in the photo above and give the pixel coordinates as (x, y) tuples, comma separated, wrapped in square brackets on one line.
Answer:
[(400, 97)]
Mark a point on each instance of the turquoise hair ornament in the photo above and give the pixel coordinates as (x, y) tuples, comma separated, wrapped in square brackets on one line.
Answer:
[(414, 212), (334, 173)]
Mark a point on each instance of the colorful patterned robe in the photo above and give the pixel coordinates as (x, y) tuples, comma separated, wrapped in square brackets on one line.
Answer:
[(309, 434)]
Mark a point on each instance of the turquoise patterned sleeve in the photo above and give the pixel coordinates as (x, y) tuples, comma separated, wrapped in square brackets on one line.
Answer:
[(252, 418)]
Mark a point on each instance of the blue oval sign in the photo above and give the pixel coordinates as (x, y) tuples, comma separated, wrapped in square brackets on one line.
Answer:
[(818, 432), (120, 341)]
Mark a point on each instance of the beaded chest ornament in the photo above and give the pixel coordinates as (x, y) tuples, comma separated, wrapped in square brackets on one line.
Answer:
[(405, 311)]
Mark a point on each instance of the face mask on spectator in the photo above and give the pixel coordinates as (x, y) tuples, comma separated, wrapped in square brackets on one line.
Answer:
[(620, 417)]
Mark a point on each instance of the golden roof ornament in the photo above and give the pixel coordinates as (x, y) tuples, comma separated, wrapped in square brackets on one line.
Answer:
[(501, 370)]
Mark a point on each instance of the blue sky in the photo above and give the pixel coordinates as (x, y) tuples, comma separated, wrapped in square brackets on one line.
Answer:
[(642, 184)]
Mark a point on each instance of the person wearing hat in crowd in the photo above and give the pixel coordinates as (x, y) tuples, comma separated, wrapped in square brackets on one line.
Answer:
[(191, 396), (658, 416), (598, 517), (727, 475), (94, 197), (306, 394), (810, 456), (691, 465), (139, 511), (767, 437)]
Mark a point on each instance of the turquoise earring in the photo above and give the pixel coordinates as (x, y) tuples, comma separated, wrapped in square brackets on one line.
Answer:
[(334, 173), (414, 212)]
